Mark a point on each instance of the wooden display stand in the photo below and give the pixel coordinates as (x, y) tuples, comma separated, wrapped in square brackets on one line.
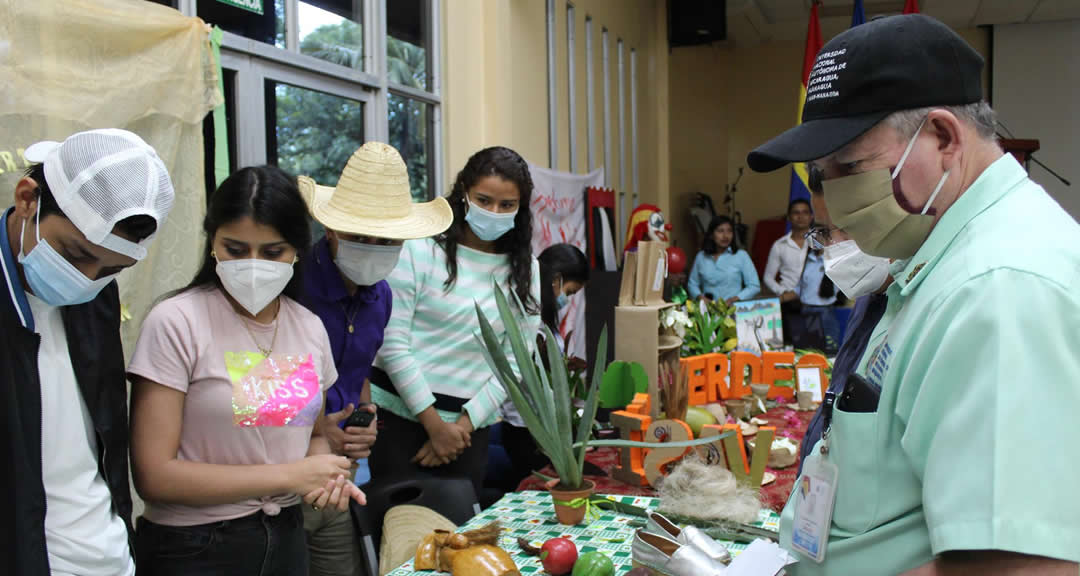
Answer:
[(637, 339)]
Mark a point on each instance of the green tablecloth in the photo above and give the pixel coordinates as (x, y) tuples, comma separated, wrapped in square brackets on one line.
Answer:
[(530, 515)]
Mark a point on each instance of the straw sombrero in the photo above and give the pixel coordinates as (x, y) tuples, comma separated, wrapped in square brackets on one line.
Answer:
[(372, 198), (403, 528)]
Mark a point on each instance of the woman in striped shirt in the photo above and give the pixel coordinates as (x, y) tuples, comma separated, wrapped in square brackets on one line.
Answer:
[(434, 389)]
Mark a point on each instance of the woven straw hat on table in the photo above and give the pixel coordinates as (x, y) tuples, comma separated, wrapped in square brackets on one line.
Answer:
[(403, 528), (372, 198)]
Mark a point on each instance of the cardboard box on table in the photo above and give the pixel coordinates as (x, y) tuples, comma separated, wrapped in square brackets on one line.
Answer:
[(637, 317)]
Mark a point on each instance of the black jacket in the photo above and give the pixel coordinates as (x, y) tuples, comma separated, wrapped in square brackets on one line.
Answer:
[(93, 335)]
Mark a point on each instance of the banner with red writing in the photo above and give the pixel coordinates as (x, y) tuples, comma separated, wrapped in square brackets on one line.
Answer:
[(558, 211)]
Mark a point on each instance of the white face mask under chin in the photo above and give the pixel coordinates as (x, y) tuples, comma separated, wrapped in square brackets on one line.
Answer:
[(854, 272), (366, 264), (254, 283)]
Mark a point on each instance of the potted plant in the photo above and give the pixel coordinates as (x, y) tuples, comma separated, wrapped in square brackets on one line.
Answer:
[(546, 405)]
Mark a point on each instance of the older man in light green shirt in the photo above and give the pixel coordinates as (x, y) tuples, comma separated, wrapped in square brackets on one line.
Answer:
[(963, 466)]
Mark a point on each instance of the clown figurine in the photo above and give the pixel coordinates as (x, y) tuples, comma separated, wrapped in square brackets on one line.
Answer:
[(647, 224)]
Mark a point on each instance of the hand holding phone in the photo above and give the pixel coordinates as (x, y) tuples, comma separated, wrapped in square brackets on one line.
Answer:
[(361, 416)]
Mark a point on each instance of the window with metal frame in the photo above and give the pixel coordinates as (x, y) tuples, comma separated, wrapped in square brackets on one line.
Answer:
[(317, 78)]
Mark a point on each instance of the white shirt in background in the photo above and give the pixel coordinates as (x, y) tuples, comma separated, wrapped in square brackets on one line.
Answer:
[(788, 258), (82, 534)]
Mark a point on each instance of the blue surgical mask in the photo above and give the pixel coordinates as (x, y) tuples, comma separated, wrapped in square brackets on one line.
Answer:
[(562, 299), (487, 225), (51, 277)]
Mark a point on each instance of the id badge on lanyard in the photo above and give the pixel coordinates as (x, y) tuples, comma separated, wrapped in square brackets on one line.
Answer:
[(815, 496)]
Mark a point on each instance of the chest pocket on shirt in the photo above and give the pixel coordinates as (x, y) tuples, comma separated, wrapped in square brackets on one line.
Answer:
[(853, 449)]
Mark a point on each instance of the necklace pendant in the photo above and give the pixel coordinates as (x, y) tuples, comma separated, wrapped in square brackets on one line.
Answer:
[(350, 328)]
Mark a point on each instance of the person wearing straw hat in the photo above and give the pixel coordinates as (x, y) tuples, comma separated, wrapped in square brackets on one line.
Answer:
[(367, 216), (436, 394), (85, 210)]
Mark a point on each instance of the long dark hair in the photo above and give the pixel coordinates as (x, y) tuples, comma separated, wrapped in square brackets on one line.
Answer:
[(270, 197), (709, 246), (566, 262), (517, 243)]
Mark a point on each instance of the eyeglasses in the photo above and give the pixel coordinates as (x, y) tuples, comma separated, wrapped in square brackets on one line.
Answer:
[(819, 237)]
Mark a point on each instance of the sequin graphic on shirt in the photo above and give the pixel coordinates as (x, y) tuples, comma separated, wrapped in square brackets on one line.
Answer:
[(279, 390)]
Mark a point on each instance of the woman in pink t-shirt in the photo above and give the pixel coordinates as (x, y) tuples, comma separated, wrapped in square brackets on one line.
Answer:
[(227, 398)]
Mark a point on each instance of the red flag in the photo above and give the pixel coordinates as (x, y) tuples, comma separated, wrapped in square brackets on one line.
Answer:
[(814, 44), (800, 188), (911, 7)]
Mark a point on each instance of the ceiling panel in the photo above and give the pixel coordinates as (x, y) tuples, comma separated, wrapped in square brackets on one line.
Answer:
[(783, 10), (1054, 10), (1004, 11), (956, 13)]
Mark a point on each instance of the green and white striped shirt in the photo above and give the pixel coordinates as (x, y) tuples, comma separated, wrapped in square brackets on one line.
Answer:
[(429, 345)]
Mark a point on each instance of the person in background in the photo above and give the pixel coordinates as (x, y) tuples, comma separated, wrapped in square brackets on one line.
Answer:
[(367, 218), (935, 474), (784, 268), (564, 271), (85, 210), (722, 270), (436, 394), (227, 413), (859, 276), (817, 299)]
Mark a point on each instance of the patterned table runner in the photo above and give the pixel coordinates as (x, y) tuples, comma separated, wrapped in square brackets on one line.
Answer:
[(530, 515)]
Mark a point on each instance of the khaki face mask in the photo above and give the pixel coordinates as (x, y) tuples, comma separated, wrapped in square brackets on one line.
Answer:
[(864, 205)]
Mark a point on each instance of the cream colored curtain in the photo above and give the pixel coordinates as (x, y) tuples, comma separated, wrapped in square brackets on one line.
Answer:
[(71, 65)]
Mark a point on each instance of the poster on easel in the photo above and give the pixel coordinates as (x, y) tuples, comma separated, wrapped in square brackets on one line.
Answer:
[(758, 325)]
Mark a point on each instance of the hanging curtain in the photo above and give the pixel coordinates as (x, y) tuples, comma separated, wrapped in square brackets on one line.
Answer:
[(73, 65)]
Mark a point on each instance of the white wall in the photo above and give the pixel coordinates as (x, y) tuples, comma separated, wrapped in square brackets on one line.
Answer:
[(1036, 85)]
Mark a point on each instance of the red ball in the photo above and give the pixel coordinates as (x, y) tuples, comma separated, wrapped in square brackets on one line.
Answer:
[(676, 260)]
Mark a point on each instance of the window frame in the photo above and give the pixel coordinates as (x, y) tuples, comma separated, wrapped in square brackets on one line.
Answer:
[(256, 62)]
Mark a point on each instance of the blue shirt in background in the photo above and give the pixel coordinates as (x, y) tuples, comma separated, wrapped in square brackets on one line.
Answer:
[(367, 312), (730, 274), (810, 284)]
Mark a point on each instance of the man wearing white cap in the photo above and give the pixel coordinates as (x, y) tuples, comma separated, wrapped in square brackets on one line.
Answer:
[(86, 210)]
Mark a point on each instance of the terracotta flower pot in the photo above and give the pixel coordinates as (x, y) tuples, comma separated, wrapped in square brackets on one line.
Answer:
[(570, 515)]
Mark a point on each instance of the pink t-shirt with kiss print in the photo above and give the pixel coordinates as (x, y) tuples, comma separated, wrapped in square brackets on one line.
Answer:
[(242, 407)]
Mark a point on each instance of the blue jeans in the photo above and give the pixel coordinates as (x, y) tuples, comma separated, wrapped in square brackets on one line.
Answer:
[(255, 545)]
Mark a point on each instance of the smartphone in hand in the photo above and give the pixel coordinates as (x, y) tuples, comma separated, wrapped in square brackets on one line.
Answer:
[(360, 418)]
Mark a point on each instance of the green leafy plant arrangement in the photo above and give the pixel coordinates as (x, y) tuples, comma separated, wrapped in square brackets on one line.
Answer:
[(712, 328), (544, 400)]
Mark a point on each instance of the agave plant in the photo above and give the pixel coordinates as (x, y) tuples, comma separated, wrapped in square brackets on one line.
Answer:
[(543, 400)]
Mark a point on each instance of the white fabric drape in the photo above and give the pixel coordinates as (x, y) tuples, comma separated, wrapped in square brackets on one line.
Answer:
[(72, 65)]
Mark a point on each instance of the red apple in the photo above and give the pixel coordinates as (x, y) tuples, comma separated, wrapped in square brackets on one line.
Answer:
[(558, 556)]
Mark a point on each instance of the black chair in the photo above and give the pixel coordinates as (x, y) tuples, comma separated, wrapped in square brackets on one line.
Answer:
[(454, 498)]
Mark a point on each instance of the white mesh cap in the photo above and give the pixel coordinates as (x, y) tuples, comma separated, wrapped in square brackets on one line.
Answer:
[(101, 177)]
